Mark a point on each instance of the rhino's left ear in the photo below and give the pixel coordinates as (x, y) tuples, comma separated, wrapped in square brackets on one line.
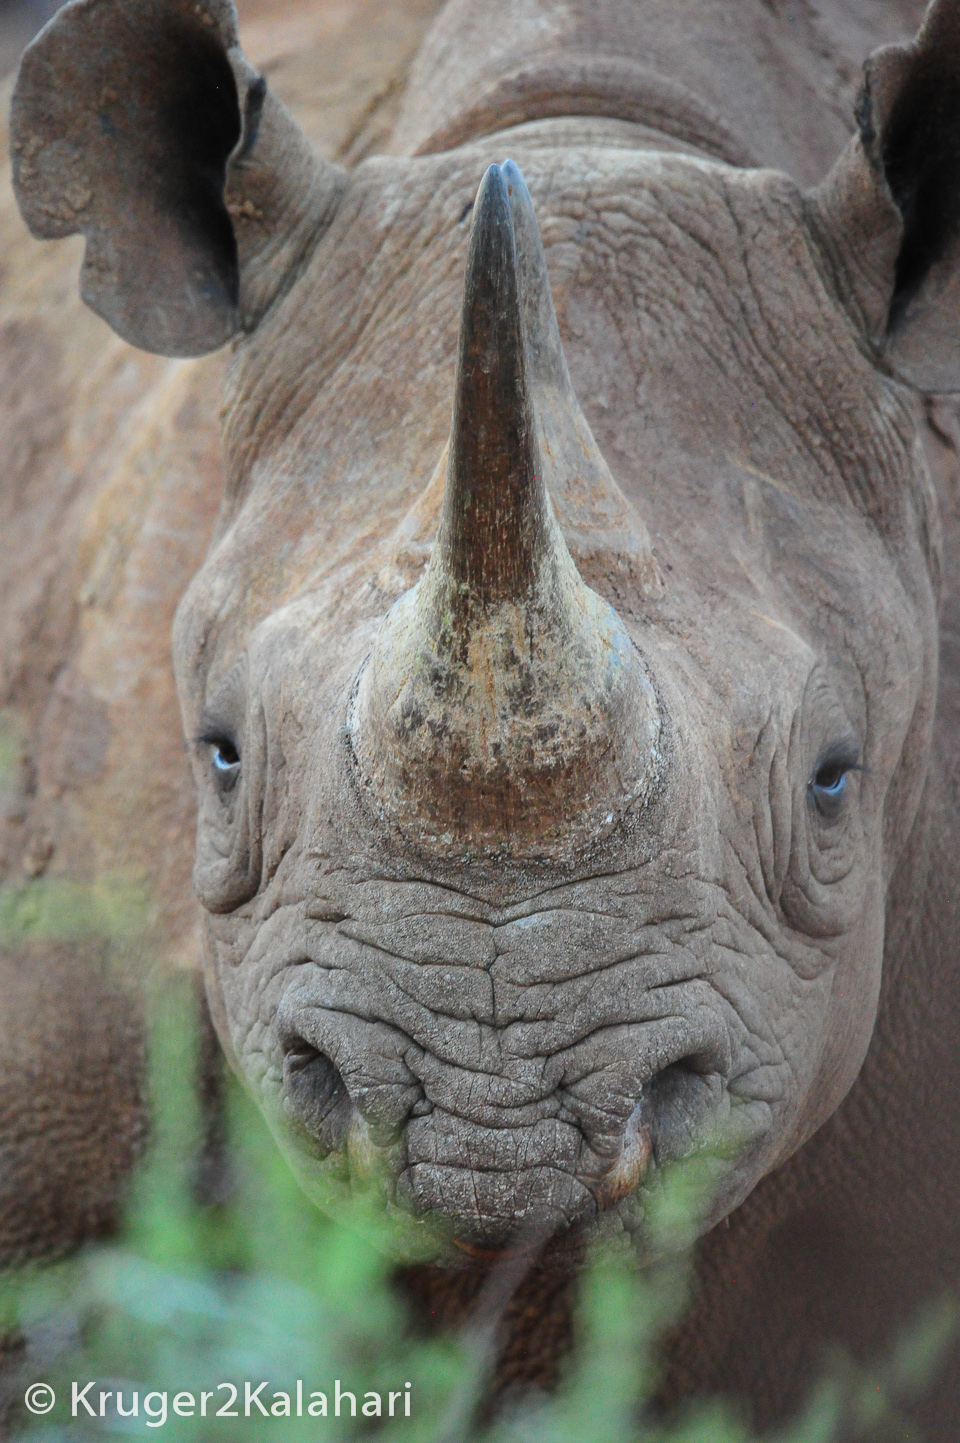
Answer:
[(888, 215), (140, 124)]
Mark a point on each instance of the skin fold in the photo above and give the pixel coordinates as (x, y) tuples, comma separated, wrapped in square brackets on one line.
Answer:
[(536, 848)]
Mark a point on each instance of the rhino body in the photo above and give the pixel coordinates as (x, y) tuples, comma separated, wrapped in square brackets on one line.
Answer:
[(576, 775)]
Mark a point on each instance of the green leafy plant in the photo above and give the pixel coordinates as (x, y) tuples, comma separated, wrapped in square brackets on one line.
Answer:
[(195, 1296)]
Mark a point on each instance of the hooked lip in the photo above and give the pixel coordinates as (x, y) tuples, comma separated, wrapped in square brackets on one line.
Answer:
[(493, 1189), (499, 1072), (630, 1168)]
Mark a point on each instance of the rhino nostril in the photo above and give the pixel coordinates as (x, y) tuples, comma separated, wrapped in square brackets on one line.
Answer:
[(298, 1053), (315, 1094), (684, 1099)]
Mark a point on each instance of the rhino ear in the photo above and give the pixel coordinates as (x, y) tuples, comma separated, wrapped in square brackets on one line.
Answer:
[(140, 124), (889, 212)]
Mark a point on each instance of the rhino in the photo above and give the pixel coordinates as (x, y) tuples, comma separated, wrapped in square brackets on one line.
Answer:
[(569, 685)]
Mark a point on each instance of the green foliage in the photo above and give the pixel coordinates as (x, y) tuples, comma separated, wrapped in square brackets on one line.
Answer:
[(53, 909), (265, 1287)]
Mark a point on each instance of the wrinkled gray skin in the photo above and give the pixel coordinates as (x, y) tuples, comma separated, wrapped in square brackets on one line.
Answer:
[(495, 1022), (514, 1032)]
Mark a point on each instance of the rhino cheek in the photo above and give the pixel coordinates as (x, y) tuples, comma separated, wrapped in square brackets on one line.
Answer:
[(848, 1017)]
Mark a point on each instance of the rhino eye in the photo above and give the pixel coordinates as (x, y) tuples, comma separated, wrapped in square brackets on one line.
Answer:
[(831, 781), (224, 758)]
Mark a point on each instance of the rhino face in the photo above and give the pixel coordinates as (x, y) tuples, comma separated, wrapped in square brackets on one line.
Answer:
[(518, 887), (546, 819)]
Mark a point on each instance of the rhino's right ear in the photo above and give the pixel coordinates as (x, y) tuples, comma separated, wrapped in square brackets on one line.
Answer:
[(141, 124), (888, 215)]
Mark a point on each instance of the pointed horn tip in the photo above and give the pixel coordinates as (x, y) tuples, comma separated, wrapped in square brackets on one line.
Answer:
[(492, 221), (504, 196), (491, 190), (499, 183), (513, 177)]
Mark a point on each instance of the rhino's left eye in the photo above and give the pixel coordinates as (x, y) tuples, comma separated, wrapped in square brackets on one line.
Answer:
[(225, 757), (831, 781)]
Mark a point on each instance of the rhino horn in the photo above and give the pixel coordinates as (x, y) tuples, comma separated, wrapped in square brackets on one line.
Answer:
[(495, 529), (504, 703)]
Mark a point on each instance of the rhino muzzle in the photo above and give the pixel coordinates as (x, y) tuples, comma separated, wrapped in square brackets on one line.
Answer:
[(498, 1123), (504, 706)]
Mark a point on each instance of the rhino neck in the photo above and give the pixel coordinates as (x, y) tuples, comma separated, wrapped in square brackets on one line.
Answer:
[(742, 81)]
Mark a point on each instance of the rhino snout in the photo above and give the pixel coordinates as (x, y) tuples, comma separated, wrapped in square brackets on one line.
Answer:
[(497, 1130)]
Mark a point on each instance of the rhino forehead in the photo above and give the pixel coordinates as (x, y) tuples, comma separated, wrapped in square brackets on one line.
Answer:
[(677, 256), (700, 331)]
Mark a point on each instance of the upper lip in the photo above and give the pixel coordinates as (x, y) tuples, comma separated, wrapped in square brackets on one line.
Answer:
[(613, 1113)]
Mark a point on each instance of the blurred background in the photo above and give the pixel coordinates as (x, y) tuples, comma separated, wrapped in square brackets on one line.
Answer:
[(19, 22)]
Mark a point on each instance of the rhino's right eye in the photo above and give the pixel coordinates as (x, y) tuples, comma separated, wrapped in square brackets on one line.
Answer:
[(224, 759), (225, 756)]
